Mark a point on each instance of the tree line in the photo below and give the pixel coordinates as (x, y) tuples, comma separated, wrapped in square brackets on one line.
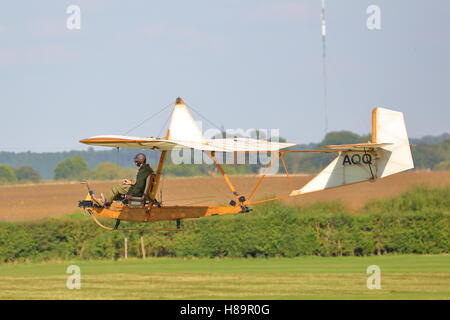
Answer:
[(428, 153), (9, 175)]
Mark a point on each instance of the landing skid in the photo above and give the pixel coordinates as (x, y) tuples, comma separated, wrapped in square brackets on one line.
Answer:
[(116, 226)]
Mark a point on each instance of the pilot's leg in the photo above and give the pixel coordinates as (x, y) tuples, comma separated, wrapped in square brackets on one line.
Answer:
[(116, 190)]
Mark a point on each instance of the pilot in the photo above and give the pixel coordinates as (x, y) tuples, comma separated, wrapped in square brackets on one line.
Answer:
[(127, 188)]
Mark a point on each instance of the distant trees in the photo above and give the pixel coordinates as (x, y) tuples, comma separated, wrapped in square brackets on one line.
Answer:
[(444, 165), (75, 168), (428, 152), (314, 162), (7, 174), (27, 173), (111, 171), (106, 171), (432, 156), (343, 137), (45, 163)]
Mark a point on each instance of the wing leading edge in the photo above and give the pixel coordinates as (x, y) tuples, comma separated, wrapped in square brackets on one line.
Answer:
[(217, 145)]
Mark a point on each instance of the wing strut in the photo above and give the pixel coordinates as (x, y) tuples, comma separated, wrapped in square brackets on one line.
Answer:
[(263, 176), (238, 199), (158, 174)]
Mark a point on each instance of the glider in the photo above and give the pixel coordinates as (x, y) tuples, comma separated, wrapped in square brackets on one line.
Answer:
[(388, 153)]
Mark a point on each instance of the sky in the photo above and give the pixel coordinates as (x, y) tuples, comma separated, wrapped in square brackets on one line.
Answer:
[(240, 63)]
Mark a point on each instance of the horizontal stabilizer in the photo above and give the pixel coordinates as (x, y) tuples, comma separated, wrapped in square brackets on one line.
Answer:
[(359, 146)]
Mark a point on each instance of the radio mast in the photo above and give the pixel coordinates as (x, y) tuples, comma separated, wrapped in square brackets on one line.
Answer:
[(324, 64)]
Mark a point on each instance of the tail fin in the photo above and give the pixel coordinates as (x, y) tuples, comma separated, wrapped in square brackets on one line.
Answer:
[(387, 154), (389, 126)]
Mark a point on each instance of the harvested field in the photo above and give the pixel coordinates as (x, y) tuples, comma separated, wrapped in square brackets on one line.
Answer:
[(32, 202)]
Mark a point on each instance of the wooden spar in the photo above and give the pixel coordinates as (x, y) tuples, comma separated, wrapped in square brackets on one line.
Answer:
[(161, 214), (286, 170), (269, 200), (224, 174), (309, 151), (281, 156), (159, 170), (374, 125), (263, 176)]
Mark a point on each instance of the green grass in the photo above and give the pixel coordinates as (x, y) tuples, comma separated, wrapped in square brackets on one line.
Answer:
[(402, 277)]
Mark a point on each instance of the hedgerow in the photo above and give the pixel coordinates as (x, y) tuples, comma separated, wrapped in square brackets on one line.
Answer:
[(417, 222)]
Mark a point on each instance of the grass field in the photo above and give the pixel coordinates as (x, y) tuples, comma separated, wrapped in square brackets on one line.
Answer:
[(402, 277)]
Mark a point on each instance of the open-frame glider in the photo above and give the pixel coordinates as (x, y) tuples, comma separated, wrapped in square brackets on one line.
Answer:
[(388, 153)]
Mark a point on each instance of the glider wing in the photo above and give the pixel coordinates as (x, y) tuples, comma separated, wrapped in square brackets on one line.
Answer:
[(217, 145)]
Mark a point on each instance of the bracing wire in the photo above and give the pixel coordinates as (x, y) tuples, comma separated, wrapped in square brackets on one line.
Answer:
[(149, 118), (204, 118), (165, 124)]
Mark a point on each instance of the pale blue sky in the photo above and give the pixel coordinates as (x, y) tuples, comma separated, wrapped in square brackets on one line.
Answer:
[(242, 64)]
